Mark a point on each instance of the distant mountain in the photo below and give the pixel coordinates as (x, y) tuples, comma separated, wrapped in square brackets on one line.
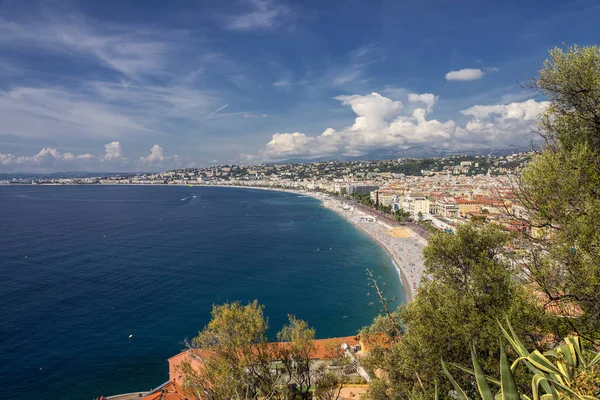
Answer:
[(63, 174), (423, 151)]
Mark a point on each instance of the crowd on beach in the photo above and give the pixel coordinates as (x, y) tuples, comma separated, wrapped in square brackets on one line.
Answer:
[(407, 252)]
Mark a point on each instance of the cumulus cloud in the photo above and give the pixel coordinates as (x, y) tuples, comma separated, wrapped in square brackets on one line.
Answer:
[(501, 122), (372, 110), (426, 98), (379, 124), (383, 123), (159, 160), (50, 159), (112, 151), (44, 157), (528, 110), (157, 154), (465, 74)]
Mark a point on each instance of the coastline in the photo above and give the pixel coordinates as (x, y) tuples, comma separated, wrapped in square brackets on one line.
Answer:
[(405, 252), (401, 250)]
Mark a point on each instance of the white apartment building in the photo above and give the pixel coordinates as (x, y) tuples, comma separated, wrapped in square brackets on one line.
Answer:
[(416, 205), (384, 198), (444, 208)]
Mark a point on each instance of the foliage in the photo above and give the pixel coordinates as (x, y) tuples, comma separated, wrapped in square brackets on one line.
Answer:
[(573, 374), (331, 377), (296, 355), (231, 358), (401, 215), (329, 384), (387, 323), (470, 285), (574, 370), (560, 188), (235, 355), (363, 198)]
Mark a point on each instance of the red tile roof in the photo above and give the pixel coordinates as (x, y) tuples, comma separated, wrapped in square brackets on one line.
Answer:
[(170, 391)]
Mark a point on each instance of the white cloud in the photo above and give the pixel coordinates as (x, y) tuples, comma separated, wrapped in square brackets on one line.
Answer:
[(282, 82), (112, 152), (290, 144), (377, 125), (52, 112), (352, 71), (501, 123), (260, 14), (528, 110), (130, 52), (45, 157), (426, 98), (382, 123), (372, 110), (156, 155), (159, 160), (50, 159), (465, 74)]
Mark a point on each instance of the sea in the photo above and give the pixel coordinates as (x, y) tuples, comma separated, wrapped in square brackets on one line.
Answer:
[(84, 267)]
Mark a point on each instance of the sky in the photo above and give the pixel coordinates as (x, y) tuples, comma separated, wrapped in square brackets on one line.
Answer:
[(150, 85)]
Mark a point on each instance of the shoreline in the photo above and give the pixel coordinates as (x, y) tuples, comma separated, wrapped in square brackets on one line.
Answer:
[(377, 231), (397, 248)]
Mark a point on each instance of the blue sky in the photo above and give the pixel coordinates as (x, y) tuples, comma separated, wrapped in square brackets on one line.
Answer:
[(150, 85)]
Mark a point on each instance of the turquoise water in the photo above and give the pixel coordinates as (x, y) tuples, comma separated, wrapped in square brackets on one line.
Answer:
[(83, 267)]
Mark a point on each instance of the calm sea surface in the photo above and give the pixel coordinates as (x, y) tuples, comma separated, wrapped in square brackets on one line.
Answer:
[(84, 267)]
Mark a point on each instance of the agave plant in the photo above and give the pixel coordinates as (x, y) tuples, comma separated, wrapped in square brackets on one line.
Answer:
[(567, 372), (508, 387), (568, 369)]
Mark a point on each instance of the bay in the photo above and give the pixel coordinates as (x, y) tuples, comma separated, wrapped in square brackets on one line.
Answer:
[(84, 267)]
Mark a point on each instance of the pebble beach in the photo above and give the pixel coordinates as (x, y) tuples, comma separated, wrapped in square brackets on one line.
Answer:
[(403, 245)]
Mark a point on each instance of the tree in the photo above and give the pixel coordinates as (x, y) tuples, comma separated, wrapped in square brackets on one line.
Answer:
[(331, 375), (473, 280), (402, 215), (232, 358), (296, 355), (234, 355), (389, 322), (560, 188), (470, 285)]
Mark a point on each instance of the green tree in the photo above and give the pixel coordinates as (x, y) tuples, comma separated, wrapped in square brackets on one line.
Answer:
[(234, 354), (232, 358), (296, 355), (331, 375), (560, 188), (470, 286), (402, 215)]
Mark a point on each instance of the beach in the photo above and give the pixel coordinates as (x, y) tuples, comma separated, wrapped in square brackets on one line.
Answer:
[(402, 244)]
